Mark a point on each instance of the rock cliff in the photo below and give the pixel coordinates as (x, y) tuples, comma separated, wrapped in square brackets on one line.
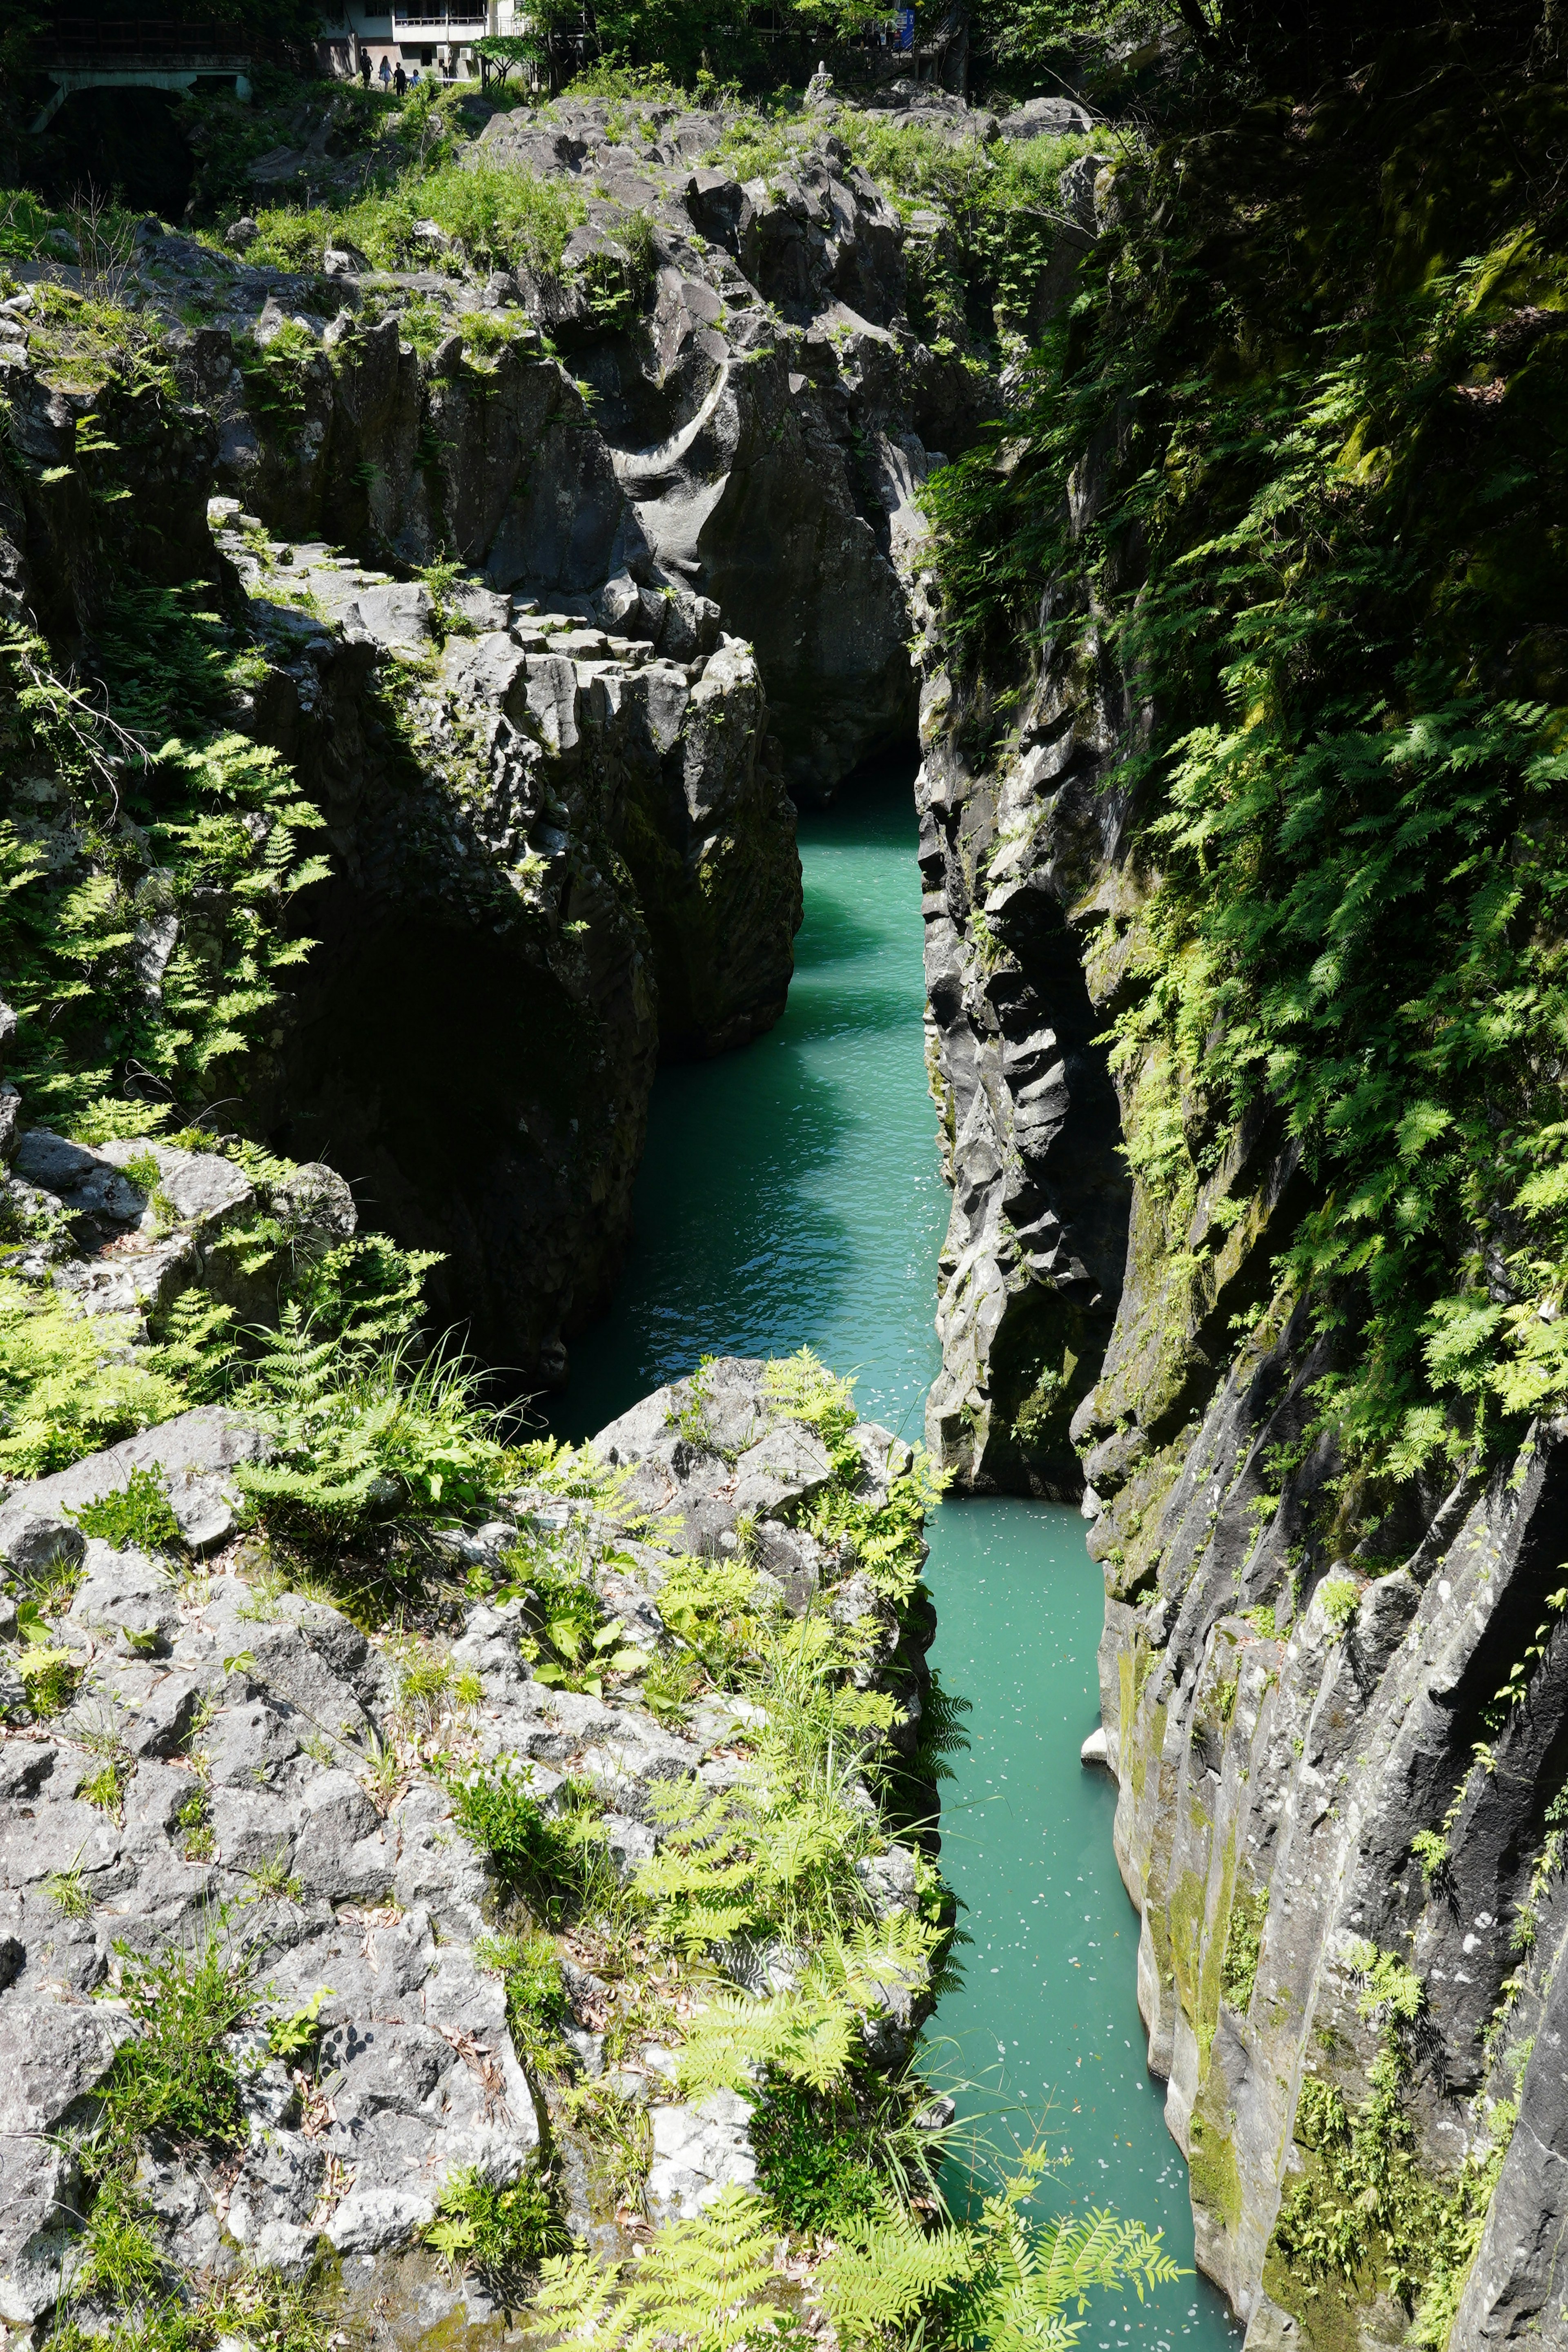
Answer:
[(545, 584), (1333, 1666)]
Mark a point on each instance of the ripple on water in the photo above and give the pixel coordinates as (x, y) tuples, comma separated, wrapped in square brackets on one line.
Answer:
[(790, 1194)]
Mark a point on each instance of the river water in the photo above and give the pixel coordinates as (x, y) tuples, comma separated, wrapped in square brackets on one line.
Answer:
[(790, 1194)]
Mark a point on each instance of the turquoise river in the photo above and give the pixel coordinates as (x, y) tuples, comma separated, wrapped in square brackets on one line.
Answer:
[(791, 1194)]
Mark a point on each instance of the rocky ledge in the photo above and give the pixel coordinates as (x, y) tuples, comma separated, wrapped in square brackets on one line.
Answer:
[(211, 1761)]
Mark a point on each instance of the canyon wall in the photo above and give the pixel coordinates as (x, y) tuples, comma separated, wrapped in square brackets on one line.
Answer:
[(1333, 1689), (550, 587)]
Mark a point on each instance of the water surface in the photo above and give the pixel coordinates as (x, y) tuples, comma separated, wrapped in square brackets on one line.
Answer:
[(790, 1195)]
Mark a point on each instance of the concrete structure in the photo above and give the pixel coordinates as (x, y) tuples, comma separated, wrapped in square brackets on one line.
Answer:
[(138, 54), (426, 35)]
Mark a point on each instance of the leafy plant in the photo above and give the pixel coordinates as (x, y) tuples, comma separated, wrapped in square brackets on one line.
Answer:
[(536, 2005), (557, 1857), (50, 1676), (1338, 1597), (70, 1384), (138, 1513), (1431, 1851), (703, 2281), (617, 2134), (502, 2234), (712, 1608), (120, 2255), (295, 2038), (884, 1539), (177, 2077)]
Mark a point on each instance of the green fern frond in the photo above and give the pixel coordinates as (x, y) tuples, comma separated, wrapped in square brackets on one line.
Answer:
[(1004, 2282), (701, 2285)]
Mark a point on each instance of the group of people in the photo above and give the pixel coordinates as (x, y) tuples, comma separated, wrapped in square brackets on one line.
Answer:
[(392, 76)]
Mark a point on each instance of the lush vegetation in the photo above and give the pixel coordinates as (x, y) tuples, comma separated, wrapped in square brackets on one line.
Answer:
[(1365, 2215), (759, 1943), (176, 2085), (495, 219), (1317, 523)]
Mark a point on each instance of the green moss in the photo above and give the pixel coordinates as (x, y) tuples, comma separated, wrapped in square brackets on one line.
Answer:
[(1212, 2169), (1185, 1909), (1206, 2021)]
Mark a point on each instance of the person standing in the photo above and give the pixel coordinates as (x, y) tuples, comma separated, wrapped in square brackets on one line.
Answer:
[(400, 80), (386, 73), (365, 67)]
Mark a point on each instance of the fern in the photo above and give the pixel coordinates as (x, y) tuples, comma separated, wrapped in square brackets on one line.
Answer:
[(809, 2031), (702, 2283), (366, 1435), (70, 1382), (1003, 2281)]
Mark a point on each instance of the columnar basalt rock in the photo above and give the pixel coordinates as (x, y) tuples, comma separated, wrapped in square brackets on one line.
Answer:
[(565, 580), (1022, 888)]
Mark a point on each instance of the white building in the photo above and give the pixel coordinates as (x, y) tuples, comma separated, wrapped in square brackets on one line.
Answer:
[(427, 36)]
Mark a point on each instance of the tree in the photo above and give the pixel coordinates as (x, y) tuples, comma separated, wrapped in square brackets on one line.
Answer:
[(498, 52)]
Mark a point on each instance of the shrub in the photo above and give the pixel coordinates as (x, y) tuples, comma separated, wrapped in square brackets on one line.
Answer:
[(500, 219), (536, 2006), (555, 1857), (812, 2158), (138, 1513), (276, 374)]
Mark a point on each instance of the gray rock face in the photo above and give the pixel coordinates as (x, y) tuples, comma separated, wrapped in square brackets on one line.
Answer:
[(1339, 1746), (1031, 1270), (571, 849), (257, 1789)]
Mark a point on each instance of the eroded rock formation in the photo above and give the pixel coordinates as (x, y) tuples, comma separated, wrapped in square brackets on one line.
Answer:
[(265, 1754), (665, 509), (1333, 1700)]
